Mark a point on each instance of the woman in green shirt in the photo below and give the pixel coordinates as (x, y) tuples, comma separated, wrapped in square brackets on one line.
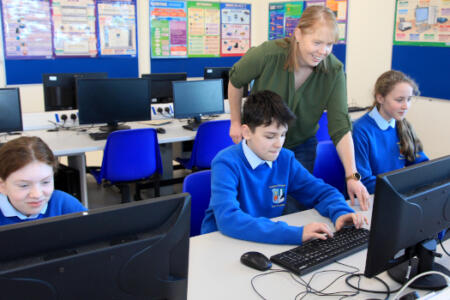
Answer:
[(302, 70)]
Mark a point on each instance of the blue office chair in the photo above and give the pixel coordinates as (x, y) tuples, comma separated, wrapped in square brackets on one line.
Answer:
[(322, 133), (328, 166), (212, 136), (199, 186), (130, 156)]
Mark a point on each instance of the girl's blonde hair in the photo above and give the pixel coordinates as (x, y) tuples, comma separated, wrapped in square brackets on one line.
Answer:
[(311, 16), (410, 143)]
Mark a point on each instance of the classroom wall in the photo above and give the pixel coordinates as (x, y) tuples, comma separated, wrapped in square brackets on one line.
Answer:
[(369, 53)]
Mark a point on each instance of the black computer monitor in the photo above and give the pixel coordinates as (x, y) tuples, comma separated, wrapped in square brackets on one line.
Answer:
[(113, 100), (197, 98), (10, 112), (59, 89), (161, 85), (136, 250), (221, 72), (411, 206)]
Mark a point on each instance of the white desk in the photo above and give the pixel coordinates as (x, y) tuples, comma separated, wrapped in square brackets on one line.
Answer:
[(215, 271), (74, 145)]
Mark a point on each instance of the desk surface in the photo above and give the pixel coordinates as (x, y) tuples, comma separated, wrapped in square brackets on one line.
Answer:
[(215, 271), (72, 142)]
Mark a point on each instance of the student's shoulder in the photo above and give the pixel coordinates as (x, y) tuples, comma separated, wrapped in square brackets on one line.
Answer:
[(363, 122), (230, 153)]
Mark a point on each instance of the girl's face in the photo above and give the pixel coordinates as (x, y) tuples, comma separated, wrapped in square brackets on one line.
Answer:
[(395, 104), (29, 188), (314, 46)]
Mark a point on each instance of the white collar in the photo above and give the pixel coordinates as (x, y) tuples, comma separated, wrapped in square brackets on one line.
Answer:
[(381, 122), (9, 211), (253, 159)]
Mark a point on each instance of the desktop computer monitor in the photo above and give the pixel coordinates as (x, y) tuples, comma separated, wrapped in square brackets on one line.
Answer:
[(10, 112), (197, 98), (59, 89), (421, 15), (161, 85), (411, 206), (136, 250), (221, 72), (113, 100)]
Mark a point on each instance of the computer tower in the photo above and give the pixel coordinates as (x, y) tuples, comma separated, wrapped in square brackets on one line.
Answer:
[(67, 179)]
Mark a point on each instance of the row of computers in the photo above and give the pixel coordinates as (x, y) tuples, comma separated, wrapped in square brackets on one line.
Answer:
[(114, 100), (140, 250)]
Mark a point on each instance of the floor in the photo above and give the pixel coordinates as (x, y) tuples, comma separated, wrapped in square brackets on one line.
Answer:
[(101, 196)]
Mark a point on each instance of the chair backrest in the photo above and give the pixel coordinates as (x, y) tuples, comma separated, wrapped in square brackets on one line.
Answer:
[(212, 136), (131, 155), (322, 133), (329, 167), (198, 184)]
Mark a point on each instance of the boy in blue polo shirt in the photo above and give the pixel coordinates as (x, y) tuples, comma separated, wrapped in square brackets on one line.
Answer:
[(251, 180)]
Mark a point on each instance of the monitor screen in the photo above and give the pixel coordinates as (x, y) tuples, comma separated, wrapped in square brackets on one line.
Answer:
[(193, 99), (136, 250), (161, 85), (221, 72), (113, 100), (59, 89), (411, 206), (10, 112), (421, 15)]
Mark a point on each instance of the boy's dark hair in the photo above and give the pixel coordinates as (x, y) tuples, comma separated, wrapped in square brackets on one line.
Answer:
[(265, 107)]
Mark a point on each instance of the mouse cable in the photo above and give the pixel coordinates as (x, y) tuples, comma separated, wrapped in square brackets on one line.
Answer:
[(359, 275), (443, 248), (397, 296), (343, 294)]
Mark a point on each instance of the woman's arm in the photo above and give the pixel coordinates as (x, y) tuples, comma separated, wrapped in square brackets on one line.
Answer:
[(346, 153)]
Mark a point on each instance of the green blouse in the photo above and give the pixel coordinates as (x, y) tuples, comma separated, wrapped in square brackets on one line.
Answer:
[(324, 89)]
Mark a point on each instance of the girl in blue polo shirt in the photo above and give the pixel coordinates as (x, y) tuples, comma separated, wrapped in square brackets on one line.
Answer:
[(26, 183), (384, 139)]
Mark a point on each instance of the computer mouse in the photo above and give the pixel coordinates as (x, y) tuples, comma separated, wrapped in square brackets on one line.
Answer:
[(256, 260), (160, 130)]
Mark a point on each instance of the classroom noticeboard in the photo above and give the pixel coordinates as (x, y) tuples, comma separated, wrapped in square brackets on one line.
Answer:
[(235, 29), (421, 44), (422, 23), (43, 36)]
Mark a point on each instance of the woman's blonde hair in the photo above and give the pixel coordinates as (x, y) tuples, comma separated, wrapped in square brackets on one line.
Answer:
[(311, 16), (410, 143)]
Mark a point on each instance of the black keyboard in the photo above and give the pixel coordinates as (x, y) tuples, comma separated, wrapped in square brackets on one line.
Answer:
[(315, 254), (99, 135)]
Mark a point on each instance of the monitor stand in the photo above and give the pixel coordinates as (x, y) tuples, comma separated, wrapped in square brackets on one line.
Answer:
[(113, 126), (426, 252), (193, 124)]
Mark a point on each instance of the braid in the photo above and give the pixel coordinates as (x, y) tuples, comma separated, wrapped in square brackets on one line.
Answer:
[(410, 143)]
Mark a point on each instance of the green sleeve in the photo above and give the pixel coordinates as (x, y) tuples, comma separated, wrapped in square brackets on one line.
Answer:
[(337, 111), (249, 67)]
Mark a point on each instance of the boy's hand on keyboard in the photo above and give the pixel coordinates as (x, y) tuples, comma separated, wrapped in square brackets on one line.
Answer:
[(351, 219), (316, 231)]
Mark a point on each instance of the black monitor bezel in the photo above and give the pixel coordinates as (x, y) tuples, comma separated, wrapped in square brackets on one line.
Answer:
[(177, 114), (20, 123), (111, 121), (397, 223), (218, 72)]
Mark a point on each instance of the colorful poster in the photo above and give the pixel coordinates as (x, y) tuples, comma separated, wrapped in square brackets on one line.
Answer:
[(235, 28), (74, 27), (168, 23), (203, 29), (422, 23), (276, 21), (284, 16), (117, 27), (27, 29)]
